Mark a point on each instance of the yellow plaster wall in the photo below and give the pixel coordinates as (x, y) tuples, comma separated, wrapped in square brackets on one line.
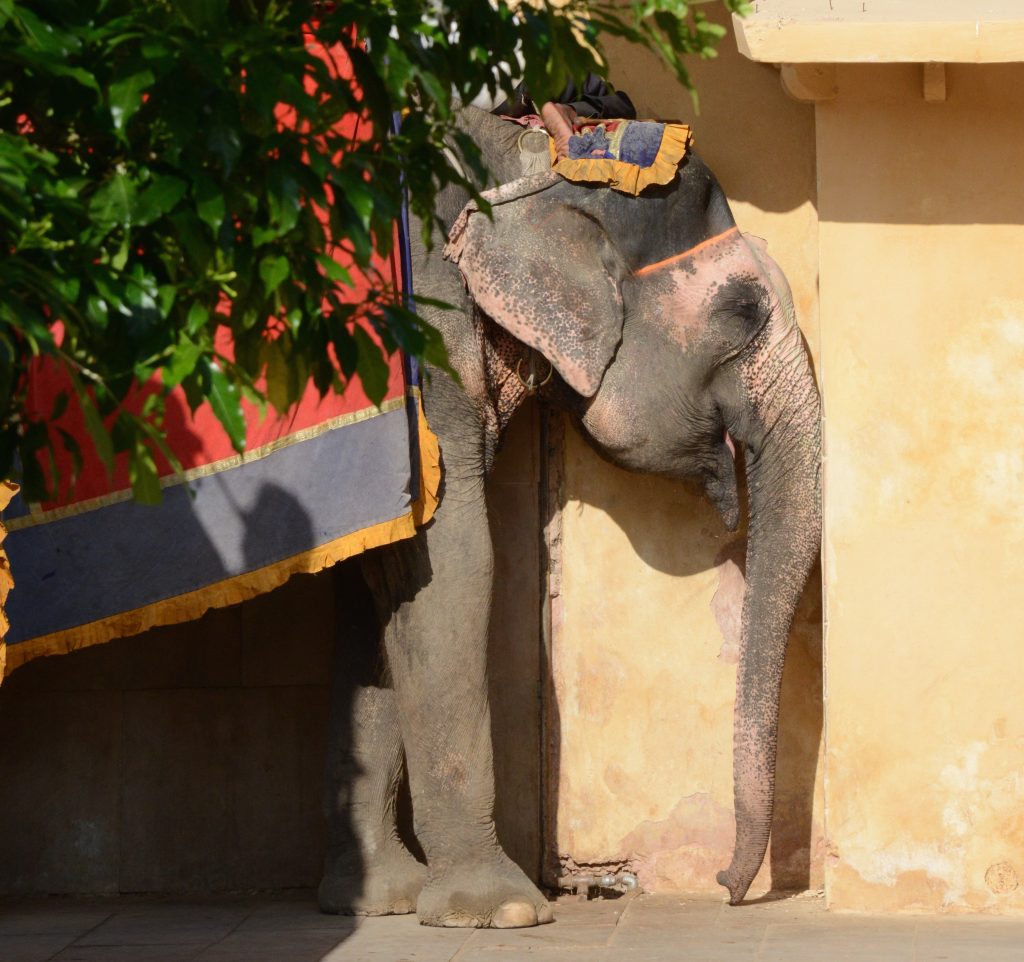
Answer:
[(646, 622), (922, 353)]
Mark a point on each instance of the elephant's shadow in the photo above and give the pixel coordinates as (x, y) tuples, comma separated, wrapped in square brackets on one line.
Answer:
[(673, 529)]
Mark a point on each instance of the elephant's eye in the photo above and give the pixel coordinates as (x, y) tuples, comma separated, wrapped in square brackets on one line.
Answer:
[(741, 308)]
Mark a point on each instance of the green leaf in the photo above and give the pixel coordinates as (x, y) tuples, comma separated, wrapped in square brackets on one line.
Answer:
[(225, 401), (182, 363), (273, 271), (101, 438), (334, 271), (96, 311), (278, 375), (114, 202), (198, 315), (159, 198), (372, 368), (77, 74), (143, 474), (203, 13), (45, 36), (125, 97), (210, 204), (74, 449), (60, 405)]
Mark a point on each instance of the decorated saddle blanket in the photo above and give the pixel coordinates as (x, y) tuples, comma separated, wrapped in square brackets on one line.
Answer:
[(334, 477), (627, 155)]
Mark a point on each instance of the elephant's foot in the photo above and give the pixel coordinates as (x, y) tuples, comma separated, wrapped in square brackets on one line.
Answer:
[(387, 884), (486, 894)]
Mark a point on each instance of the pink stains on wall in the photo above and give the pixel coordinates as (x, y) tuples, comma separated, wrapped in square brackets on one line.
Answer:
[(683, 851)]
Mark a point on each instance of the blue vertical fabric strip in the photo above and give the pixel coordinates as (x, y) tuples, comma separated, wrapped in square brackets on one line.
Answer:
[(411, 365)]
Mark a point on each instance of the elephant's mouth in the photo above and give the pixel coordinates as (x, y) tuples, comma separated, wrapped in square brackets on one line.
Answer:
[(720, 484)]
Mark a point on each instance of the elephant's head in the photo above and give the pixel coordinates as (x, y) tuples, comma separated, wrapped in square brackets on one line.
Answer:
[(677, 336)]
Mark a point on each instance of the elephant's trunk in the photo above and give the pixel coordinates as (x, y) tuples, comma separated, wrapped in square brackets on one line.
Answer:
[(780, 429)]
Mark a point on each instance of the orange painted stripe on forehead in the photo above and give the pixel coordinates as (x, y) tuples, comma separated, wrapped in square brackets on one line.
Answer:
[(687, 253)]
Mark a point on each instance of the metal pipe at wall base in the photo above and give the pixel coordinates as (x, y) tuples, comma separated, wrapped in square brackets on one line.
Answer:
[(622, 882)]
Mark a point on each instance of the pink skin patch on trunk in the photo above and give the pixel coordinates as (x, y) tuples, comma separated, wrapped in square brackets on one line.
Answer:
[(727, 604)]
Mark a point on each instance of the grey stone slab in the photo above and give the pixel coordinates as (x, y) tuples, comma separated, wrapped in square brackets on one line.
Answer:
[(174, 924), (358, 940), (57, 916), (275, 946), (678, 927), (569, 910), (60, 763), (128, 953), (400, 939), (288, 634), (298, 913), (476, 953), (176, 827), (970, 940), (868, 939), (31, 948), (277, 788)]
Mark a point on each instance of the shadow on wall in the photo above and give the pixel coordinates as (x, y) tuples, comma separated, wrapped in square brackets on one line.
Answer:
[(674, 530)]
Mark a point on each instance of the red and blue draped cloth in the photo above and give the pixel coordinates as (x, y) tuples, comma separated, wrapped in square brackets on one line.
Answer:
[(334, 477)]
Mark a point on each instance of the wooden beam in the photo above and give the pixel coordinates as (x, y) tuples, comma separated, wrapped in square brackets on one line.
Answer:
[(934, 83), (810, 83)]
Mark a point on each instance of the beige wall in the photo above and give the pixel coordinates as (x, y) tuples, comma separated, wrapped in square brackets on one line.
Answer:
[(646, 621), (922, 319)]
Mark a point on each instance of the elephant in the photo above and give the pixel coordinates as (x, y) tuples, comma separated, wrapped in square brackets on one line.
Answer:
[(670, 338)]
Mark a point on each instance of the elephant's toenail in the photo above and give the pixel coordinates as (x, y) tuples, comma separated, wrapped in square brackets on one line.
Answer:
[(515, 915), (457, 920)]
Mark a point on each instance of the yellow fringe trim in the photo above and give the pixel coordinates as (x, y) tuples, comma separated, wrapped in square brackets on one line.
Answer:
[(230, 591), (8, 489), (625, 177)]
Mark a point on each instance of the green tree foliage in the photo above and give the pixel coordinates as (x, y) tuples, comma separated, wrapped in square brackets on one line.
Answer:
[(169, 167)]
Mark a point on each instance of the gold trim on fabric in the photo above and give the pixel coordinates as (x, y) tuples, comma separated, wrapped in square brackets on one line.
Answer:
[(230, 591), (206, 470), (625, 177), (8, 489)]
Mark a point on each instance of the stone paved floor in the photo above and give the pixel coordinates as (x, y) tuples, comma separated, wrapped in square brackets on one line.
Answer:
[(645, 929)]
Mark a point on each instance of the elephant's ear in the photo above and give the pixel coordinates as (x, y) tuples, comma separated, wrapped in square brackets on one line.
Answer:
[(547, 273)]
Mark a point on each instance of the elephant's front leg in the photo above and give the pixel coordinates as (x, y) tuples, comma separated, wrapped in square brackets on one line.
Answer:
[(437, 650)]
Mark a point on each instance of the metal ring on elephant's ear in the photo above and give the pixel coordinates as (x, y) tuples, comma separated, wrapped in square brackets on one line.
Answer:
[(531, 384)]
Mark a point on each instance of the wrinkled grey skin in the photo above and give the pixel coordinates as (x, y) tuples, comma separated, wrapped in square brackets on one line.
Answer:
[(700, 346)]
